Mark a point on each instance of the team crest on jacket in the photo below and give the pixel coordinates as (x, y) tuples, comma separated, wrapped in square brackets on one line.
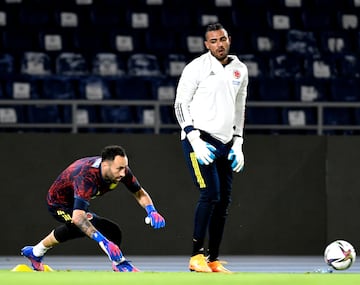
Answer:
[(237, 74)]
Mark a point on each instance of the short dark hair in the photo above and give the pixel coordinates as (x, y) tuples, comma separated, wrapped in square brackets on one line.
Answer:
[(213, 27), (109, 152)]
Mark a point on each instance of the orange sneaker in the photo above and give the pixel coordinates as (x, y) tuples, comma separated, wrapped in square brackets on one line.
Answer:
[(198, 263), (216, 266)]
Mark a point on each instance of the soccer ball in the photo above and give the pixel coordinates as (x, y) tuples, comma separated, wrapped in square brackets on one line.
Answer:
[(340, 255)]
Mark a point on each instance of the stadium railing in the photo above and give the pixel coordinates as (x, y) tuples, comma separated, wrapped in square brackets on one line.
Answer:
[(73, 127)]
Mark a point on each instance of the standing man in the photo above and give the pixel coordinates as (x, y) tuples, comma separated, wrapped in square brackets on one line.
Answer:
[(68, 201), (210, 109)]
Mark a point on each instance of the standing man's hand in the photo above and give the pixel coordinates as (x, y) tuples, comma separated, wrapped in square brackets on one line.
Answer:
[(204, 151), (236, 155)]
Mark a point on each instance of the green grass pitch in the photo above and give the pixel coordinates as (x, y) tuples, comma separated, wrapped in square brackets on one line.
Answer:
[(8, 277)]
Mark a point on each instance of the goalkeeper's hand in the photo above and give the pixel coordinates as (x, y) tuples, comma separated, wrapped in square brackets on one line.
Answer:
[(156, 220), (236, 155), (111, 249), (204, 152)]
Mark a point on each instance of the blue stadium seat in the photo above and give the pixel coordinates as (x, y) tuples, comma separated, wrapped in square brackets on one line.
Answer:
[(133, 88), (108, 64), (6, 64), (94, 88), (317, 20), (348, 66), (257, 64), (336, 42), (286, 66), (263, 116), (91, 41), (299, 116), (36, 64), (127, 41), (279, 89), (320, 66), (310, 89), (58, 87), (20, 39), (44, 114), (141, 64), (19, 87), (160, 42), (36, 16), (174, 64), (345, 89), (165, 90), (254, 19), (338, 116), (268, 41), (301, 42), (71, 63)]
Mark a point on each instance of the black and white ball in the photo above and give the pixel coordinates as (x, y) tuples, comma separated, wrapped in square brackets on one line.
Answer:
[(340, 255)]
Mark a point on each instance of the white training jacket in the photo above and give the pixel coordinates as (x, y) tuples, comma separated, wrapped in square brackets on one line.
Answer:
[(211, 97)]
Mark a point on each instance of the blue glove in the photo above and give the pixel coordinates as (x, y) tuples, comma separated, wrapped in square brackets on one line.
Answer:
[(236, 155), (156, 220), (111, 249), (204, 152)]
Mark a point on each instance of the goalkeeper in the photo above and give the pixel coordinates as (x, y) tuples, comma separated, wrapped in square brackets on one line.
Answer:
[(68, 201), (210, 107)]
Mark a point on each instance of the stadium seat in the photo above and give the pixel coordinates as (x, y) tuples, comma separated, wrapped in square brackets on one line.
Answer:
[(338, 116), (36, 64), (70, 63), (177, 18), (337, 42), (12, 42), (317, 20), (345, 89), (44, 114), (19, 87), (6, 64), (268, 41), (174, 64), (348, 20), (263, 116), (284, 19), (103, 16), (108, 64), (12, 115), (310, 89), (161, 42), (57, 87), (36, 16), (192, 42), (164, 90), (320, 66), (348, 66), (127, 41), (141, 64), (299, 116), (133, 88), (94, 88), (286, 66), (91, 41), (301, 42), (254, 19), (279, 89), (257, 65)]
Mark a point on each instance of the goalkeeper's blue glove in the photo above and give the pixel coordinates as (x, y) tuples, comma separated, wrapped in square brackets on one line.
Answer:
[(111, 249), (236, 155), (204, 152), (156, 220)]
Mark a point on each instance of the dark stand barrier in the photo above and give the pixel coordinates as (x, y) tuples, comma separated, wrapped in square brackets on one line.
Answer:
[(296, 194)]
